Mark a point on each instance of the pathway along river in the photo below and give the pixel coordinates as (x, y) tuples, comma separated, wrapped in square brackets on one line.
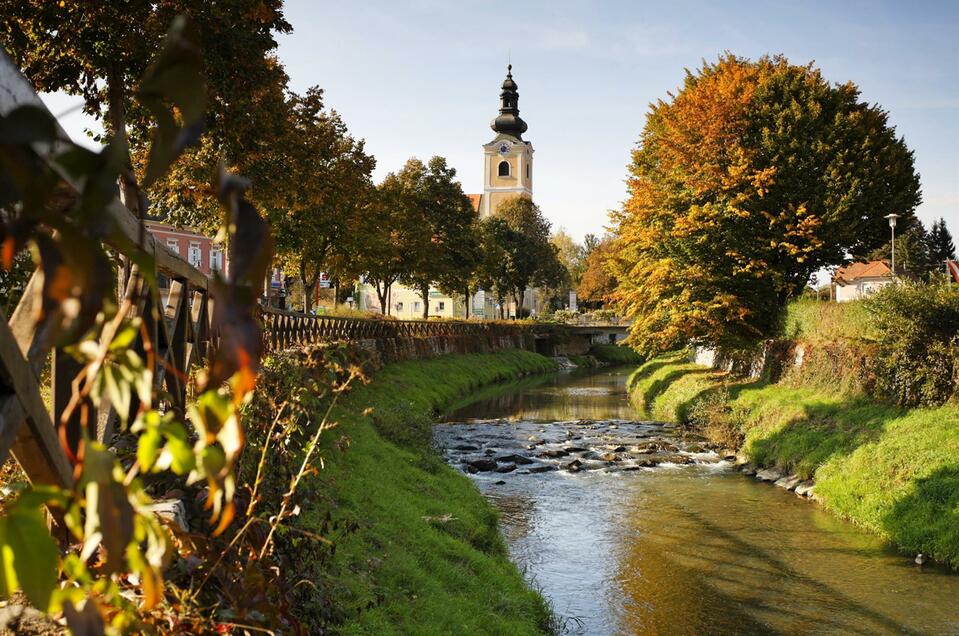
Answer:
[(676, 548)]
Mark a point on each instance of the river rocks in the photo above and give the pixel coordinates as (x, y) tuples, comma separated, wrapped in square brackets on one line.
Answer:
[(554, 453), (482, 465), (575, 449), (748, 469), (543, 468), (769, 474), (489, 452), (574, 466), (617, 449), (515, 459), (789, 483), (535, 440), (695, 448), (805, 488), (466, 447), (506, 468), (609, 457)]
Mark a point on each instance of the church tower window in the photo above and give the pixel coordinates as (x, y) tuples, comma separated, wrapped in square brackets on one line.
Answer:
[(503, 168)]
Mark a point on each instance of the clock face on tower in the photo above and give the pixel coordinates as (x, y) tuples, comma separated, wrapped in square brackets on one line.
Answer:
[(503, 148)]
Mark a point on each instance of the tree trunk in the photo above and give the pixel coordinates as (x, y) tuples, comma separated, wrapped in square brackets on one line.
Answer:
[(425, 293), (467, 299), (308, 286), (382, 291), (336, 292), (117, 119)]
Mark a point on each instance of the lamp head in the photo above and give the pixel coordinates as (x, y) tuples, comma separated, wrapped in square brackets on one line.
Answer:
[(892, 219)]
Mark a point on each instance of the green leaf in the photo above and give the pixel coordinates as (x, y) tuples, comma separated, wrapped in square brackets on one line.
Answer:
[(28, 555), (118, 390), (148, 448), (125, 336)]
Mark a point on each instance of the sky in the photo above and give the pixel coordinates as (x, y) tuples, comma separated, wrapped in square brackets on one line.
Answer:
[(422, 78)]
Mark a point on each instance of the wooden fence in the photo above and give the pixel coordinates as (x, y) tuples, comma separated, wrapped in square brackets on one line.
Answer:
[(283, 329)]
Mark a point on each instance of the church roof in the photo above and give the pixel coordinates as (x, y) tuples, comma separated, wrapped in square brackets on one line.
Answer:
[(508, 122), (475, 201)]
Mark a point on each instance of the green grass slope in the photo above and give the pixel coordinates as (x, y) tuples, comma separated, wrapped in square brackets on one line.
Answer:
[(894, 471), (423, 554)]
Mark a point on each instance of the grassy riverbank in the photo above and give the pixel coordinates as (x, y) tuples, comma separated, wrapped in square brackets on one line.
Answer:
[(894, 471), (415, 547)]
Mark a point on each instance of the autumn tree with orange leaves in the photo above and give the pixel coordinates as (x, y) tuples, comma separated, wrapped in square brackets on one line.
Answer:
[(750, 178)]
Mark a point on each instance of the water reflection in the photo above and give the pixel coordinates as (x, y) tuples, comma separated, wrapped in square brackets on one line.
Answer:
[(694, 549)]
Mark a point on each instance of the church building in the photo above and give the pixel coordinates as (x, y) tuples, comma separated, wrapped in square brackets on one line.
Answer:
[(507, 159), (507, 173)]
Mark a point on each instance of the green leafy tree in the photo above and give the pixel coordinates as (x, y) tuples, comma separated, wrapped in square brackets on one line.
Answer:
[(314, 221), (750, 178), (571, 254), (437, 225), (99, 50), (384, 227), (531, 259)]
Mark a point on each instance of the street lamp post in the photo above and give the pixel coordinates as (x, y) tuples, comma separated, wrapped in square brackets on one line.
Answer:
[(892, 227)]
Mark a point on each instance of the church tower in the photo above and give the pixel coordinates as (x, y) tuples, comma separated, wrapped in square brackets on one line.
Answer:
[(508, 159)]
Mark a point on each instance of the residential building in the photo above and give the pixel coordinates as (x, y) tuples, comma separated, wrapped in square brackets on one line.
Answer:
[(193, 247), (859, 280)]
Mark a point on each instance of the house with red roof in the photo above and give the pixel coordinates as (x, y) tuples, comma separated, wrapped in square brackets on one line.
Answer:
[(859, 280)]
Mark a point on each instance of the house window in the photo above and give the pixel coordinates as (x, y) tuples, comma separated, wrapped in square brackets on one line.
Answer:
[(173, 245), (504, 168), (194, 255), (527, 170), (216, 260), (440, 306), (399, 306), (416, 306)]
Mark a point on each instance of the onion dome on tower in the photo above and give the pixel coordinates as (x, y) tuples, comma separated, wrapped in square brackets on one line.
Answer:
[(509, 122)]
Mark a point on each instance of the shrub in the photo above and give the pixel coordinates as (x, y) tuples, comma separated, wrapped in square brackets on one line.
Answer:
[(917, 333)]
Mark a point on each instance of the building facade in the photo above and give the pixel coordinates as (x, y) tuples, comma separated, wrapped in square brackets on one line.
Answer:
[(860, 280), (507, 173)]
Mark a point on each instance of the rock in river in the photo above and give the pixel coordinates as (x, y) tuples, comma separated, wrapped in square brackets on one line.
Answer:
[(482, 465), (506, 468), (769, 474), (544, 468), (789, 483), (515, 459), (554, 453), (574, 466)]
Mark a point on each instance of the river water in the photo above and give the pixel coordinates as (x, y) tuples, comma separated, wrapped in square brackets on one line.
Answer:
[(636, 531)]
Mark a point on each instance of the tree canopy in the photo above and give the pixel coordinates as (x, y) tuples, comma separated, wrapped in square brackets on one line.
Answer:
[(750, 178), (99, 51)]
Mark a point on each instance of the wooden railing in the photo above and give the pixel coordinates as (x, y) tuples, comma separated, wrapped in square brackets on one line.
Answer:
[(284, 329), (179, 333)]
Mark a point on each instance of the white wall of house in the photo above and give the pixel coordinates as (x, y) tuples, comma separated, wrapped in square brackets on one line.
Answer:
[(862, 288)]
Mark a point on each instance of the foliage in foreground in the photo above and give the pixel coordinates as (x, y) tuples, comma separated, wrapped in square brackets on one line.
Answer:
[(111, 572), (890, 470), (752, 177)]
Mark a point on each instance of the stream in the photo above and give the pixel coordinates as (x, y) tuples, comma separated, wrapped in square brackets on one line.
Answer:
[(627, 528)]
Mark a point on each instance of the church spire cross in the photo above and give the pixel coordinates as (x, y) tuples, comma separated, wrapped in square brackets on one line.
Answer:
[(509, 122)]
